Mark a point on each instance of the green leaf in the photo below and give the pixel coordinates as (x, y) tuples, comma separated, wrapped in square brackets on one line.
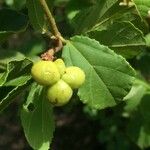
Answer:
[(37, 119), (144, 60), (136, 20), (144, 108), (9, 93), (137, 106), (143, 6), (8, 56), (36, 15), (147, 38), (17, 69), (123, 37), (33, 47), (3, 77), (19, 4), (108, 76), (15, 4), (74, 6), (11, 22), (139, 132), (133, 99), (14, 81), (138, 127), (99, 15)]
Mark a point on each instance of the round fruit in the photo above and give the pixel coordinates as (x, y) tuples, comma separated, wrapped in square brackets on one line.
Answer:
[(45, 72), (60, 65), (74, 76), (60, 93)]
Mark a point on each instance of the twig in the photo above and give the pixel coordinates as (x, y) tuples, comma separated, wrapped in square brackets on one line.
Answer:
[(58, 39), (51, 21), (50, 18)]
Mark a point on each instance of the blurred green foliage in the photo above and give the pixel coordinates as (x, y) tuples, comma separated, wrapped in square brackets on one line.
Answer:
[(123, 29)]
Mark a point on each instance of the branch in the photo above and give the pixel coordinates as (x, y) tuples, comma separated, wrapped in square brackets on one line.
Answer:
[(57, 38), (51, 21)]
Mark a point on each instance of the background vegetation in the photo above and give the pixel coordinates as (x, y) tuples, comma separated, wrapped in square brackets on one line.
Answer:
[(118, 119)]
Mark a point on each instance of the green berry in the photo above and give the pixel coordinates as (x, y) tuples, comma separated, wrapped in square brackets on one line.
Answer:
[(60, 65), (74, 76), (60, 93), (45, 72)]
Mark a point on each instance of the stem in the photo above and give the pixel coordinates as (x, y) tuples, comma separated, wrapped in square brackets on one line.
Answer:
[(51, 19)]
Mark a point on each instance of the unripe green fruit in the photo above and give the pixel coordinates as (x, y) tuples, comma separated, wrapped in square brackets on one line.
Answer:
[(60, 93), (60, 65), (74, 76), (45, 72)]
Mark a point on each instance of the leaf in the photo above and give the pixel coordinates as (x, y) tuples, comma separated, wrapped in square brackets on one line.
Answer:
[(37, 119), (138, 127), (144, 108), (143, 6), (8, 93), (137, 105), (123, 37), (99, 15), (144, 60), (74, 6), (108, 76), (8, 56), (19, 4), (33, 47), (14, 81), (147, 38), (136, 20), (5, 58), (15, 4), (36, 15), (133, 99), (16, 69), (139, 132), (11, 22)]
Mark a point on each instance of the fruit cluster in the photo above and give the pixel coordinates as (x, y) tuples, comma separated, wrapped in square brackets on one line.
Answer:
[(61, 80)]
